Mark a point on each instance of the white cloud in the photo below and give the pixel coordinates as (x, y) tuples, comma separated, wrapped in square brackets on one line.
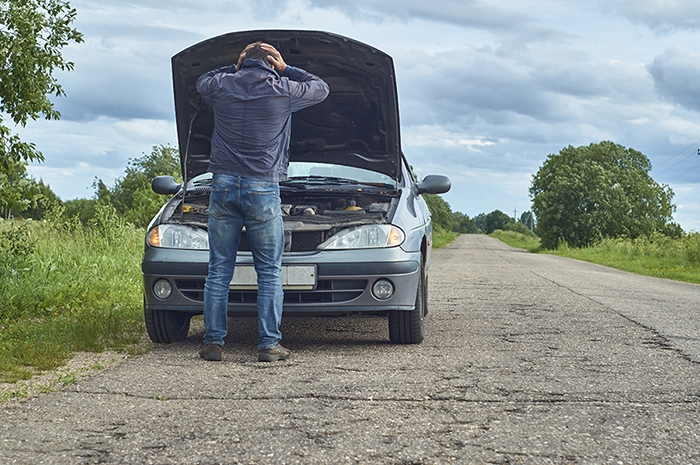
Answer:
[(660, 15)]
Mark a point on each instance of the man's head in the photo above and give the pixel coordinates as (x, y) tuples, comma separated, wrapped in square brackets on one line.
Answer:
[(257, 53), (265, 52)]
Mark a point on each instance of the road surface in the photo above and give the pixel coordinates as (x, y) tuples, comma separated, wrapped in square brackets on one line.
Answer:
[(527, 359)]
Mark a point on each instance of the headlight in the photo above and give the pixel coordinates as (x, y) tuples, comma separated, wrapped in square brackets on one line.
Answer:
[(365, 237), (175, 236)]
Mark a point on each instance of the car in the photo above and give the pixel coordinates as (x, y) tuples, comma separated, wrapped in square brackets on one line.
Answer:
[(357, 231)]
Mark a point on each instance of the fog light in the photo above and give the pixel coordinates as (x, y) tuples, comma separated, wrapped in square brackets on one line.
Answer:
[(382, 289), (162, 289)]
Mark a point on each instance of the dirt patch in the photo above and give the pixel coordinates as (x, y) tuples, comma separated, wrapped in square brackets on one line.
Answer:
[(82, 365)]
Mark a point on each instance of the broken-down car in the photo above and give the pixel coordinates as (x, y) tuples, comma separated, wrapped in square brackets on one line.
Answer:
[(357, 232)]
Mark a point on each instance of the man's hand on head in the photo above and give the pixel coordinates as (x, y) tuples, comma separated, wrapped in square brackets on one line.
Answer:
[(241, 57), (275, 58)]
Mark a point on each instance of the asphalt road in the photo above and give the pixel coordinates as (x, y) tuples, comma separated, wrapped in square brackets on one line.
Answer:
[(528, 359)]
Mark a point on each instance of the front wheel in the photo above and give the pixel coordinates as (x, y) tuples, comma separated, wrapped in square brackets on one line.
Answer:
[(166, 326), (406, 327)]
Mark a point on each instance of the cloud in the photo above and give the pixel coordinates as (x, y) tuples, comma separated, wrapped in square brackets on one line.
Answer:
[(676, 74), (513, 28), (660, 15)]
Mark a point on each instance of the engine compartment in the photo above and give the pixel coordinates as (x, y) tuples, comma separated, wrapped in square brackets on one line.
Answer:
[(310, 218)]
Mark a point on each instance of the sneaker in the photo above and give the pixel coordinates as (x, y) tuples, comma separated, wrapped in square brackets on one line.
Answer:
[(273, 354), (211, 351)]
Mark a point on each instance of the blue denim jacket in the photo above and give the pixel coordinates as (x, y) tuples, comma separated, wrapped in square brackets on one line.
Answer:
[(253, 109)]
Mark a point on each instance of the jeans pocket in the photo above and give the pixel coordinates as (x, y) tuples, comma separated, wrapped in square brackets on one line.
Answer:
[(264, 205), (217, 202)]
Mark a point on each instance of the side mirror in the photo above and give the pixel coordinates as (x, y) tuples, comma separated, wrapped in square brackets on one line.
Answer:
[(433, 184), (165, 185)]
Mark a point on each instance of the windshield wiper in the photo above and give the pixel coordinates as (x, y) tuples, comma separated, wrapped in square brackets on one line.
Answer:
[(317, 180)]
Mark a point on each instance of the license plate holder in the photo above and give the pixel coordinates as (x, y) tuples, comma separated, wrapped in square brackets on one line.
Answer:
[(294, 277)]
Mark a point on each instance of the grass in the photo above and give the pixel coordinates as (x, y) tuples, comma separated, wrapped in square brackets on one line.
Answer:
[(518, 240), (66, 287), (442, 238), (659, 256)]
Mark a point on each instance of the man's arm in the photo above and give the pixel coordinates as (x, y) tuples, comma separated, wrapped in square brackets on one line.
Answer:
[(308, 89), (205, 79)]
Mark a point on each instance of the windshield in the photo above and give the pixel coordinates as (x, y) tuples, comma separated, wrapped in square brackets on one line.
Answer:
[(305, 169)]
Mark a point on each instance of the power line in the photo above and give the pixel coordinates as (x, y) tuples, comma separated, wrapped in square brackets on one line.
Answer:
[(686, 171), (676, 164), (687, 148)]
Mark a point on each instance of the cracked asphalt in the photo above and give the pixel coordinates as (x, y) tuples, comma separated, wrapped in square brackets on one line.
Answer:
[(527, 359)]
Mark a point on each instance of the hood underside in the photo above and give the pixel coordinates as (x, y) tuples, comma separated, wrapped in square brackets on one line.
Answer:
[(357, 125)]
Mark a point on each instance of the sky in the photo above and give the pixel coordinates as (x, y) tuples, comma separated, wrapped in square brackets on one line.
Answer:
[(487, 90)]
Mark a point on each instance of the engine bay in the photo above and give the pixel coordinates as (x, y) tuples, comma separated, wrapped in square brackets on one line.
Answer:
[(310, 218)]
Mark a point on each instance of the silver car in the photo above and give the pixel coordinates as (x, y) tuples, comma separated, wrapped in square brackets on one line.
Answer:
[(357, 231)]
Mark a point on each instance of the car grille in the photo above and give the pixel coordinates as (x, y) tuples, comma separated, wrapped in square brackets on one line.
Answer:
[(326, 291)]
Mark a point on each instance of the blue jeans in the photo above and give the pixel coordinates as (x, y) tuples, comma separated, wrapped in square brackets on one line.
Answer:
[(236, 202)]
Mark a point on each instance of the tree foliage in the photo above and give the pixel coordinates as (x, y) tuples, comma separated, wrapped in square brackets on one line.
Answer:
[(528, 219), (32, 35), (496, 220), (584, 194), (480, 221), (461, 223), (440, 212), (131, 195), (17, 190)]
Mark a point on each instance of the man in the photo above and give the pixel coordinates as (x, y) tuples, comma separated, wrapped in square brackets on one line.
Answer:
[(253, 103)]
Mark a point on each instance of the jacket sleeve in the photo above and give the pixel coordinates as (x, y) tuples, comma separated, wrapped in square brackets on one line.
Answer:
[(204, 81), (306, 89)]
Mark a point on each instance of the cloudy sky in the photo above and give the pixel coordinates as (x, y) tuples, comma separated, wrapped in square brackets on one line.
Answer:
[(486, 89)]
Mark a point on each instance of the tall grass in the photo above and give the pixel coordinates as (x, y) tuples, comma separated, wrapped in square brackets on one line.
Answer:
[(66, 287), (659, 256)]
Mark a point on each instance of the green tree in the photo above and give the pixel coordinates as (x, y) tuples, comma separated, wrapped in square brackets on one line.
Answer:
[(32, 35), (528, 219), (440, 212), (17, 191), (46, 200), (461, 223), (480, 221), (584, 194), (497, 220), (131, 195), (84, 209)]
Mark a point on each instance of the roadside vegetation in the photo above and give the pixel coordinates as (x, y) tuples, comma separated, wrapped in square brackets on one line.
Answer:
[(659, 256), (67, 287)]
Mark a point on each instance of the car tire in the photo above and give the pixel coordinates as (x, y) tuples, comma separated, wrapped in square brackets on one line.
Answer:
[(166, 326), (406, 327)]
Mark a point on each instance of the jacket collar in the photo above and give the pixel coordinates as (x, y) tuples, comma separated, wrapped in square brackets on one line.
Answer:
[(258, 64)]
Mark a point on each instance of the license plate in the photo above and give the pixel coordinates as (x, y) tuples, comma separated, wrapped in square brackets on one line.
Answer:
[(294, 277)]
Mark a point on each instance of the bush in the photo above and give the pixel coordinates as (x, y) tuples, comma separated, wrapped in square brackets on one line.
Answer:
[(519, 228)]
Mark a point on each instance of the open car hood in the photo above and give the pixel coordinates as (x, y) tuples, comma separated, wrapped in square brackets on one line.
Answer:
[(357, 125)]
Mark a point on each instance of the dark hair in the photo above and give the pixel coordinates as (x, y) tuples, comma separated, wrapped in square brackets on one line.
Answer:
[(257, 53)]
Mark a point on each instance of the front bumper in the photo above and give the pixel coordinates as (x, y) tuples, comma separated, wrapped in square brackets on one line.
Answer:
[(343, 285)]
